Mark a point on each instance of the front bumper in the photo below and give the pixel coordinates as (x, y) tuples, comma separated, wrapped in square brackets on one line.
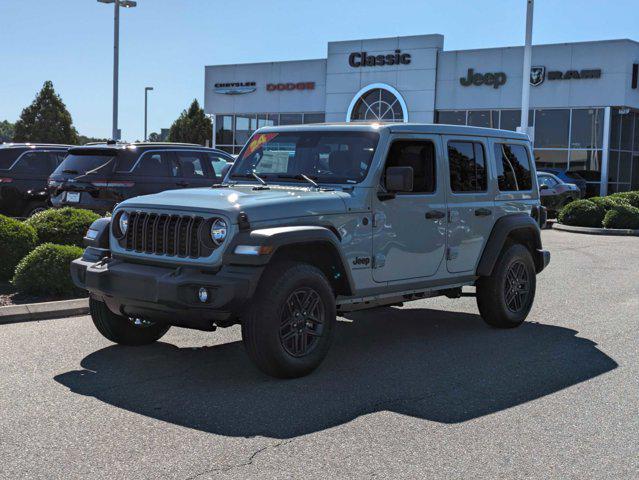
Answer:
[(164, 294), (543, 259)]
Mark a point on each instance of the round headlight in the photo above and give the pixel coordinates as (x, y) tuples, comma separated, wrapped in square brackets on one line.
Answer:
[(219, 230), (123, 223)]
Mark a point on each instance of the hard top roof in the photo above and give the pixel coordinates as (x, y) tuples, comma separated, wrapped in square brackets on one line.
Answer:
[(136, 146), (34, 145), (436, 128)]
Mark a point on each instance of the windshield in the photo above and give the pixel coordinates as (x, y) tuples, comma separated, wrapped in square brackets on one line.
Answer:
[(324, 156), (80, 164)]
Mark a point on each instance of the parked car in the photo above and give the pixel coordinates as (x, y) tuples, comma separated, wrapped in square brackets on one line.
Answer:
[(556, 193), (568, 176), (24, 169), (97, 177), (319, 220)]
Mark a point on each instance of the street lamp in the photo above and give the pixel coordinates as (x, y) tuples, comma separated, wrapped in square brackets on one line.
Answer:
[(116, 45), (146, 91)]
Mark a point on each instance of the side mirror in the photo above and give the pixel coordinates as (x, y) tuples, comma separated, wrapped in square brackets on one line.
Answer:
[(399, 179), (543, 187)]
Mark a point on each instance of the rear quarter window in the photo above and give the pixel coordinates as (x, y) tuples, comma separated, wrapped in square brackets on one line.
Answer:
[(36, 163), (512, 165), (8, 157)]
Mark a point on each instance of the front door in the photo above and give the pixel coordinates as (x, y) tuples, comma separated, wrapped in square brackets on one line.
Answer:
[(470, 202), (409, 231)]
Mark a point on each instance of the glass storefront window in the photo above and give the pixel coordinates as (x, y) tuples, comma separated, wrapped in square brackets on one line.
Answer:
[(224, 129), (613, 165), (625, 164), (634, 179), (244, 127), (314, 118), (511, 119), (452, 117), (551, 128), (627, 125), (266, 120), (290, 119), (587, 128), (551, 158), (585, 160), (483, 118)]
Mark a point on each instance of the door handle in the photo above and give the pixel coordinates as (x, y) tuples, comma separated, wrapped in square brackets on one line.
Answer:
[(434, 215), (483, 212)]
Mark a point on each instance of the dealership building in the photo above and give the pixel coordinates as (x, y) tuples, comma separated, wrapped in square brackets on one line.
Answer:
[(584, 97)]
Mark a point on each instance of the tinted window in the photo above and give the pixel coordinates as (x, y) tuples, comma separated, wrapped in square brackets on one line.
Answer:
[(314, 118), (420, 156), (587, 128), (216, 163), (75, 164), (153, 165), (457, 117), (189, 165), (126, 160), (513, 167), (8, 156), (551, 128), (36, 163), (547, 180), (467, 167)]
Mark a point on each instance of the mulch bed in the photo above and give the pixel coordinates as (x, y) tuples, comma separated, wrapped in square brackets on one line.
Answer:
[(9, 296)]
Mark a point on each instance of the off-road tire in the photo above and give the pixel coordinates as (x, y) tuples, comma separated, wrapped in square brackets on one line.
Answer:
[(493, 290), (270, 312), (122, 330)]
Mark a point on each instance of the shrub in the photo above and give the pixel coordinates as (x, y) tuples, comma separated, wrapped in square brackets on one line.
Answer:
[(630, 197), (16, 240), (46, 271), (623, 216), (609, 202), (582, 213), (66, 226)]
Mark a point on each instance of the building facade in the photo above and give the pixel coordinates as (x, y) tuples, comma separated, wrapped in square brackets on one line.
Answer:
[(584, 98)]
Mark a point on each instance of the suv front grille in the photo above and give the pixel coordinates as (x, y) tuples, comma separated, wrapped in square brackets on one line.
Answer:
[(162, 234)]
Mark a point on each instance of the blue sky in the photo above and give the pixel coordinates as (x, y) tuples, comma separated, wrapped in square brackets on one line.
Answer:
[(166, 43)]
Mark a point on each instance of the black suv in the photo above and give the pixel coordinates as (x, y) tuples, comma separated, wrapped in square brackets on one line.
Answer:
[(97, 177), (24, 169)]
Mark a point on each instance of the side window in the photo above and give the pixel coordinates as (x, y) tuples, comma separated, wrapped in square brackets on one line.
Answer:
[(547, 180), (216, 163), (513, 167), (467, 165), (189, 165), (153, 165), (58, 157), (126, 161), (420, 155), (36, 163)]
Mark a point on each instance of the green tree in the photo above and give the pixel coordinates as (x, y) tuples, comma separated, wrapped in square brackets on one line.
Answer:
[(6, 131), (83, 140), (192, 126), (154, 137), (46, 120)]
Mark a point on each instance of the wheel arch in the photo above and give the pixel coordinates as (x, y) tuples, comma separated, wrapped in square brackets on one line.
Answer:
[(516, 228), (316, 245)]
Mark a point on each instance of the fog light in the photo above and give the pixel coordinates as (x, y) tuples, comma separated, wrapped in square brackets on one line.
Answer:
[(203, 295)]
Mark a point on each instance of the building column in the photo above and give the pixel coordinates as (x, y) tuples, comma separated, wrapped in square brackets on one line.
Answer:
[(603, 186)]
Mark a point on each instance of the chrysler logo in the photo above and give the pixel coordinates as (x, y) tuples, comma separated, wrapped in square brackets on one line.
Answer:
[(537, 75), (235, 88)]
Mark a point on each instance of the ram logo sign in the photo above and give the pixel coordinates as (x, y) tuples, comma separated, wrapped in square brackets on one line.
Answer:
[(537, 75)]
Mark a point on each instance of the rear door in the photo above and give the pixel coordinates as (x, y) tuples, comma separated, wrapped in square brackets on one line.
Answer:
[(152, 173), (470, 201)]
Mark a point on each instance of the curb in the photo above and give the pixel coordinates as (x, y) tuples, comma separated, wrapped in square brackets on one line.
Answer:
[(31, 312), (597, 231)]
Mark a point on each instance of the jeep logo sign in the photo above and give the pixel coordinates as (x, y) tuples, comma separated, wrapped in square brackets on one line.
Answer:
[(495, 80)]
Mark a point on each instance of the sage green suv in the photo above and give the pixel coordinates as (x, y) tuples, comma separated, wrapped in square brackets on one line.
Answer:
[(316, 221)]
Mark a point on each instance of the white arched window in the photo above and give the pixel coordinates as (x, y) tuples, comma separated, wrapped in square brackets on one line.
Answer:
[(377, 102)]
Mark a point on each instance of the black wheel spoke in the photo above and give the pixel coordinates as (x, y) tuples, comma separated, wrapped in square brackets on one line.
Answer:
[(517, 287), (301, 324)]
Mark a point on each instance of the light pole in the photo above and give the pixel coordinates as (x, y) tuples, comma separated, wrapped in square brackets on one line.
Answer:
[(146, 102), (525, 86), (116, 45)]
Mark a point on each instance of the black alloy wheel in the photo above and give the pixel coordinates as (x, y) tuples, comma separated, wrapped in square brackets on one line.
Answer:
[(517, 287), (302, 322)]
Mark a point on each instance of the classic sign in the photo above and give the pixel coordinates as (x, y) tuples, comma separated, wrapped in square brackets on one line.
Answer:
[(363, 59), (496, 79)]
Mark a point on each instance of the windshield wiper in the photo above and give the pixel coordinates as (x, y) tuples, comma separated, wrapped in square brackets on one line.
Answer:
[(301, 176), (252, 175)]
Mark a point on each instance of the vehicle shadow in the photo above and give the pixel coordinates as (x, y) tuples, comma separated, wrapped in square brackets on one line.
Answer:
[(441, 366)]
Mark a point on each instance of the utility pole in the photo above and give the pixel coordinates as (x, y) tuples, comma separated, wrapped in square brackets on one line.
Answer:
[(146, 102), (525, 86)]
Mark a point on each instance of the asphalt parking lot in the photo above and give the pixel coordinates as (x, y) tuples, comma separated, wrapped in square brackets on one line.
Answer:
[(422, 391)]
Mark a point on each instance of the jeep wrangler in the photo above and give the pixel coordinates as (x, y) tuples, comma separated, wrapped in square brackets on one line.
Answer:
[(320, 220)]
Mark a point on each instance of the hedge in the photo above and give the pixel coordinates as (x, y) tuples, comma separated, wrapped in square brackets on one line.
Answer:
[(45, 271), (609, 202), (16, 240), (65, 226), (622, 216), (630, 197), (582, 213)]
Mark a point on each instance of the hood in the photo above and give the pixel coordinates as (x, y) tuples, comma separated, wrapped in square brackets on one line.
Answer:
[(270, 204)]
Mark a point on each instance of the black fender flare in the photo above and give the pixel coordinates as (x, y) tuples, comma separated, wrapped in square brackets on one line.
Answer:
[(273, 239), (518, 223)]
